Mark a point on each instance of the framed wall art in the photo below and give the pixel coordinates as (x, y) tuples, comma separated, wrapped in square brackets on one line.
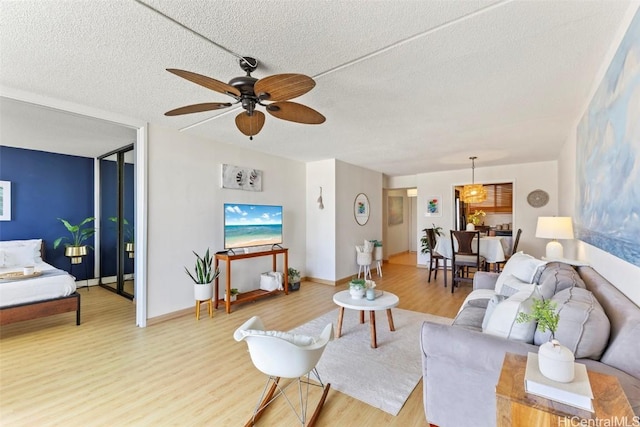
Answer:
[(395, 210), (241, 178), (5, 200), (434, 206), (361, 209)]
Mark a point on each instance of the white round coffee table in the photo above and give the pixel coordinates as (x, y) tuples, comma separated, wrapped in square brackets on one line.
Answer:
[(384, 302)]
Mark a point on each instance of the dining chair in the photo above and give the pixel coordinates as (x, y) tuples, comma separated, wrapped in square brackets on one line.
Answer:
[(514, 249), (435, 257), (464, 256)]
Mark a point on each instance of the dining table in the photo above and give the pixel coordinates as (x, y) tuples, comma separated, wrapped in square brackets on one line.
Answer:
[(492, 248)]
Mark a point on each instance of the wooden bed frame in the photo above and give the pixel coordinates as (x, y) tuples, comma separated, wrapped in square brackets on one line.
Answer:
[(37, 309)]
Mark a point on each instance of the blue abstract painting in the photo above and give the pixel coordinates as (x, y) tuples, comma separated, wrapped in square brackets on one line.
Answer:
[(608, 157)]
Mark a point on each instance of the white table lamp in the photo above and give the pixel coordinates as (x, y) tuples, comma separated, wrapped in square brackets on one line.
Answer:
[(554, 227)]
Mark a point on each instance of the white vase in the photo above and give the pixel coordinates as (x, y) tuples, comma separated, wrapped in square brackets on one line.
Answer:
[(202, 292), (471, 227), (556, 362), (356, 293)]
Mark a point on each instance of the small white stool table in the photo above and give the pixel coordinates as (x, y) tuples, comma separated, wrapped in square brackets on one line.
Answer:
[(384, 302)]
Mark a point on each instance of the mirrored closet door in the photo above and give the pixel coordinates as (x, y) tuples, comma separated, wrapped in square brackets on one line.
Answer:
[(117, 195)]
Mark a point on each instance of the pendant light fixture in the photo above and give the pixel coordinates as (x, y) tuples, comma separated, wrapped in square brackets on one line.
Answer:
[(474, 193)]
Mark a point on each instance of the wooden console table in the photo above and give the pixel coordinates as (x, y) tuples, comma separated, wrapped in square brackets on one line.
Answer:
[(251, 295), (515, 407)]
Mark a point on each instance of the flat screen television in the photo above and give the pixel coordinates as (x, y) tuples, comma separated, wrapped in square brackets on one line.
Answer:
[(251, 225)]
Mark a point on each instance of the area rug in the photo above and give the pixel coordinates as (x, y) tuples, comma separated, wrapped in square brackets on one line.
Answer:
[(382, 377)]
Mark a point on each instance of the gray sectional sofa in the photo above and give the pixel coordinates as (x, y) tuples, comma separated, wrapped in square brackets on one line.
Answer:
[(461, 364)]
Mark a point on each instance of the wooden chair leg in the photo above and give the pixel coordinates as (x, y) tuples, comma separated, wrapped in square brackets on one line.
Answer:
[(262, 407), (316, 413)]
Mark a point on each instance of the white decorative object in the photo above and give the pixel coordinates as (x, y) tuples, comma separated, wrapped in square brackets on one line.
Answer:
[(556, 362), (5, 200), (203, 292), (554, 227), (471, 227), (356, 293), (27, 271)]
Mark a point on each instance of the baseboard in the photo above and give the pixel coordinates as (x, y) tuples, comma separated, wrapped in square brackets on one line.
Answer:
[(321, 281), (170, 316)]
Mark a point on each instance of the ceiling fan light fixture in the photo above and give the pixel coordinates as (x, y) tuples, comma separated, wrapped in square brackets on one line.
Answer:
[(473, 193)]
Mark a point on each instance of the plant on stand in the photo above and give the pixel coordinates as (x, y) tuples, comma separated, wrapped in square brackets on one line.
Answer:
[(424, 240), (234, 294), (77, 248), (202, 276), (294, 279), (555, 361)]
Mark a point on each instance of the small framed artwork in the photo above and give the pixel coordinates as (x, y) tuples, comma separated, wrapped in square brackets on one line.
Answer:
[(434, 206), (361, 209), (241, 178), (5, 200)]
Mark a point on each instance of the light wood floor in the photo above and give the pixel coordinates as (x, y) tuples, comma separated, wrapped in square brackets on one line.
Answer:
[(181, 372)]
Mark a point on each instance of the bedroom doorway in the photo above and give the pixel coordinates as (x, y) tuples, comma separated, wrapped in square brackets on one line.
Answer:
[(117, 221)]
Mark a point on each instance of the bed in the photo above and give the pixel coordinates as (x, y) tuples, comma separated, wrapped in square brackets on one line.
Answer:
[(45, 292)]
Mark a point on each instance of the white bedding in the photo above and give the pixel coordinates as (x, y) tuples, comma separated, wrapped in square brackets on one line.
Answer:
[(53, 283)]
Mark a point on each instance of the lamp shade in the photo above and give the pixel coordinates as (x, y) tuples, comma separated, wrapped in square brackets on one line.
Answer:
[(554, 227), (473, 193)]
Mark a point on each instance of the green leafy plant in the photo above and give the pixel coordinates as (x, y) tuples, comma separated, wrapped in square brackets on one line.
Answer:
[(79, 233), (234, 291), (424, 240), (543, 312), (203, 271), (128, 229), (476, 217), (294, 275), (357, 284)]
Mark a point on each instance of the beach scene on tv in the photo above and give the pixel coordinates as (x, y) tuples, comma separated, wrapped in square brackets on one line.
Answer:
[(252, 225)]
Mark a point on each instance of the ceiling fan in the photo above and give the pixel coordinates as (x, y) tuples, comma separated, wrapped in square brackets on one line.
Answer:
[(249, 92)]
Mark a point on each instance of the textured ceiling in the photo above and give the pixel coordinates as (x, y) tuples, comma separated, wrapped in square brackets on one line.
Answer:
[(406, 86)]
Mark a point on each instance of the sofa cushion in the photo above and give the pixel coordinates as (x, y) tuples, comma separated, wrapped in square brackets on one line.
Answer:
[(583, 326), (470, 317), (491, 306), (513, 285), (556, 277), (503, 322), (520, 265)]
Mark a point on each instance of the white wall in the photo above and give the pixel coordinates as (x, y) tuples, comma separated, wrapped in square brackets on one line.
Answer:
[(186, 212), (622, 274), (321, 224), (350, 181), (526, 177)]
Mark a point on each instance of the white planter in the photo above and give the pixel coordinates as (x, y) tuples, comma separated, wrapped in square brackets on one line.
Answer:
[(356, 293), (233, 297), (556, 362), (471, 227), (203, 292)]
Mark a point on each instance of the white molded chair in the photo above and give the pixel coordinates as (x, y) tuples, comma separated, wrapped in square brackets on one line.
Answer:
[(364, 258), (285, 355)]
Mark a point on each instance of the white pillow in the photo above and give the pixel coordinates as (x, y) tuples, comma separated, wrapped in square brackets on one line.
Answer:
[(520, 265), (513, 285), (503, 322), (19, 256), (297, 339), (34, 244)]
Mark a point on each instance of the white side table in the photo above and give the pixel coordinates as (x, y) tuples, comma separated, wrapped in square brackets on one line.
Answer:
[(384, 302)]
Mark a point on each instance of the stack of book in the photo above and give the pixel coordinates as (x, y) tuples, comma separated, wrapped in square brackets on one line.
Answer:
[(576, 393)]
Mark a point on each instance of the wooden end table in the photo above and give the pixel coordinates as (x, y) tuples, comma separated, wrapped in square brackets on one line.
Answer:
[(384, 302), (515, 407)]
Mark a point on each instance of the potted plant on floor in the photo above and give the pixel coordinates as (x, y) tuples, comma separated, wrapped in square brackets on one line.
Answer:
[(234, 294), (76, 248), (294, 279), (203, 275), (425, 241)]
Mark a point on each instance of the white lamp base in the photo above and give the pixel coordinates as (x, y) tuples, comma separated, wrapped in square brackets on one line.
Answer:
[(554, 250)]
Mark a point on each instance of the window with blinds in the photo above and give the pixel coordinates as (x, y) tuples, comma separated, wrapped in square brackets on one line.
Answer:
[(499, 199)]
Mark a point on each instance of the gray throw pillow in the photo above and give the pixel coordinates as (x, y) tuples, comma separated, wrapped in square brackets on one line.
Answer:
[(557, 277), (583, 326)]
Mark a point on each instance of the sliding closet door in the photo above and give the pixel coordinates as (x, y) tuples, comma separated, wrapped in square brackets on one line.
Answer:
[(117, 248)]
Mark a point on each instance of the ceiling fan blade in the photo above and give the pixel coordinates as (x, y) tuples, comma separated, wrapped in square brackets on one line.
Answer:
[(198, 108), (295, 112), (250, 125), (205, 81), (281, 87)]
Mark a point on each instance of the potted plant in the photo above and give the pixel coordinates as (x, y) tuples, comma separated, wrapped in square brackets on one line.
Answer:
[(234, 294), (476, 217), (202, 276), (294, 279), (128, 235), (358, 287), (76, 248), (555, 361)]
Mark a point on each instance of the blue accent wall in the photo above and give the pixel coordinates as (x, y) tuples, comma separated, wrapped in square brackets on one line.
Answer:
[(46, 186)]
